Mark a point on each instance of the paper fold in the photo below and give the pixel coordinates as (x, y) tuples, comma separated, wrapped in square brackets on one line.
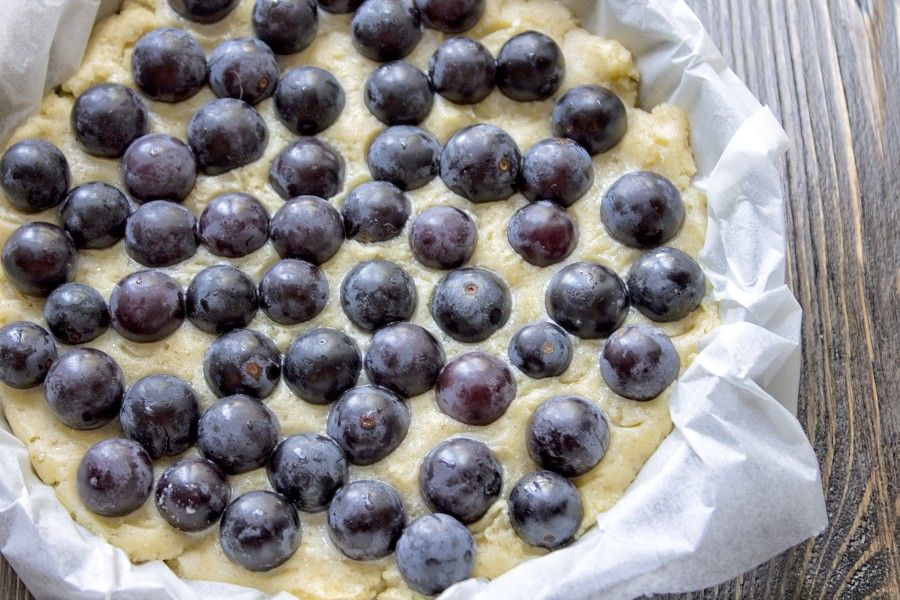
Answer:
[(736, 482)]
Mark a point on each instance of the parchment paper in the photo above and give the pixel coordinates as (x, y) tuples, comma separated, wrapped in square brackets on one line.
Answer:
[(736, 482)]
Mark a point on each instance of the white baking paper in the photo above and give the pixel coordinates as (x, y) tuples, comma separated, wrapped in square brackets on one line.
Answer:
[(735, 484)]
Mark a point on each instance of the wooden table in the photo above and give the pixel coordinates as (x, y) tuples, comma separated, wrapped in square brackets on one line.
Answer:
[(830, 69)]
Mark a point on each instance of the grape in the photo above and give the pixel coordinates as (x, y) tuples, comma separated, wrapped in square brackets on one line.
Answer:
[(481, 163), (309, 100), (450, 16), (587, 300), (227, 134), (339, 6), (368, 423), (591, 115), (242, 361), (568, 435), (308, 228), (168, 65), (541, 350), (470, 304), (238, 433), (542, 233), (159, 167), (26, 352), (259, 531), (642, 210), (38, 258), (639, 362), (557, 169), (475, 388), (462, 70), (192, 494), (114, 477), (666, 284), (384, 30), (146, 306), (308, 469), (404, 155), (545, 509), (160, 234), (443, 237), (293, 291), (160, 412), (307, 167), (243, 68), (34, 175), (530, 67), (365, 519), (435, 552), (94, 215), (321, 365), (76, 313), (233, 225), (84, 388), (461, 477), (221, 298), (405, 358), (377, 292), (106, 118), (375, 211), (287, 26), (204, 11), (398, 93)]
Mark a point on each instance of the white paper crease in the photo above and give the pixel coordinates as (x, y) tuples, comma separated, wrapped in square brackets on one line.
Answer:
[(736, 482)]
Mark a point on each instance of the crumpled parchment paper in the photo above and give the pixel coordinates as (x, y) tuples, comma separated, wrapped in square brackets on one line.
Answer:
[(736, 482)]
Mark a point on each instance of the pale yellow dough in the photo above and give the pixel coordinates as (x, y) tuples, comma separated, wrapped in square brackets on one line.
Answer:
[(656, 140)]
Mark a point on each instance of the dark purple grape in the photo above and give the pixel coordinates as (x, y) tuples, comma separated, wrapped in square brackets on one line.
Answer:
[(308, 468), (375, 211), (287, 26), (308, 100), (475, 388), (568, 435), (234, 225), (461, 477), (227, 134), (398, 93), (76, 313), (84, 388), (377, 292), (470, 304), (384, 30), (339, 6), (114, 477), (443, 237), (159, 167), (557, 169), (26, 353), (221, 298), (405, 358), (94, 214), (293, 291), (542, 233), (587, 300), (34, 175), (462, 70), (259, 531), (639, 362), (545, 509), (435, 552), (450, 16), (322, 364), (192, 494), (307, 167), (204, 11), (591, 115), (368, 423), (168, 65), (242, 361), (161, 233), (642, 210), (530, 67), (666, 284), (404, 155), (38, 258), (541, 350), (308, 228), (106, 118), (160, 412), (365, 519), (238, 433), (146, 306), (244, 68), (481, 163)]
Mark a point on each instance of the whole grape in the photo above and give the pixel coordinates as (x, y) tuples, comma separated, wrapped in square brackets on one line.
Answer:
[(146, 306), (38, 258), (259, 531), (443, 237), (192, 494), (365, 519), (470, 304), (475, 388), (204, 11), (541, 350), (221, 298), (242, 361), (94, 215), (404, 155), (545, 509), (227, 134), (106, 118), (404, 358), (434, 552), (160, 412), (114, 477), (587, 300), (26, 353), (76, 313), (375, 211), (233, 225), (322, 364), (384, 30), (377, 292), (293, 291), (481, 163), (666, 284), (642, 210), (558, 170), (639, 362), (450, 16), (568, 435), (243, 68), (542, 233), (461, 477), (368, 423), (238, 433), (309, 100), (530, 67), (339, 6), (307, 167), (161, 234), (287, 26), (591, 115), (168, 65), (307, 469), (34, 175), (462, 70), (84, 388), (159, 167), (398, 93)]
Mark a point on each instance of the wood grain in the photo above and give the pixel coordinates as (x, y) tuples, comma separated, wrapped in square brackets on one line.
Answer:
[(830, 69)]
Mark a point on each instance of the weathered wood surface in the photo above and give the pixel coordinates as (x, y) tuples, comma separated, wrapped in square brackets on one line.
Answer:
[(830, 69)]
